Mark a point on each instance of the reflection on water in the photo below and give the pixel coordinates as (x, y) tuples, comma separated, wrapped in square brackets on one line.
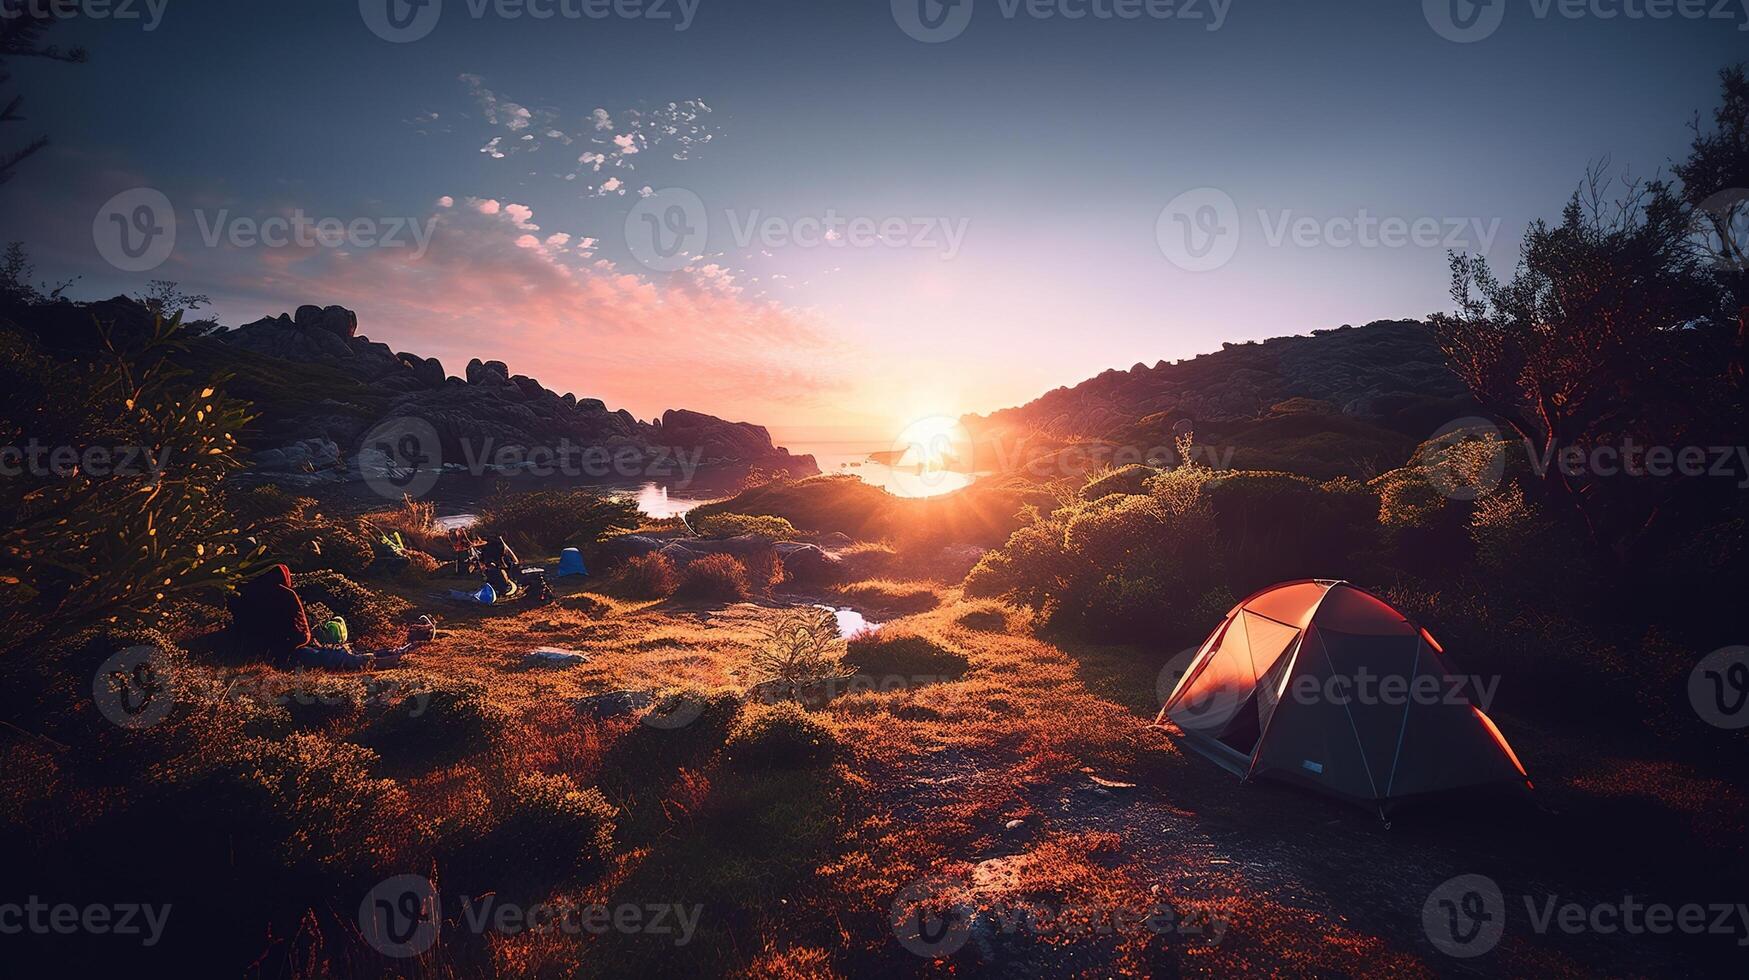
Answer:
[(914, 480), (454, 521), (657, 501), (654, 500), (851, 622)]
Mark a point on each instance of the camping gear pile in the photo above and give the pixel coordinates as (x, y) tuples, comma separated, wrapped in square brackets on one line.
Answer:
[(1280, 690), (502, 574)]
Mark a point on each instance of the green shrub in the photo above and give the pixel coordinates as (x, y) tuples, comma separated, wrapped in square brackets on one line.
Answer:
[(366, 612), (682, 727), (891, 653), (1120, 565), (891, 598), (650, 576), (78, 549), (548, 521), (1131, 479), (765, 569), (547, 821), (782, 735), (1276, 527), (714, 578), (732, 525), (434, 721), (306, 800), (293, 531)]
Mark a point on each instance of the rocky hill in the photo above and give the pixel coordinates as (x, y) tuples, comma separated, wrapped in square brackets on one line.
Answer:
[(319, 388), (1352, 400), (490, 414)]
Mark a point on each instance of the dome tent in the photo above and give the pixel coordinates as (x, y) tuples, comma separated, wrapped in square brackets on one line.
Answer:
[(1324, 685)]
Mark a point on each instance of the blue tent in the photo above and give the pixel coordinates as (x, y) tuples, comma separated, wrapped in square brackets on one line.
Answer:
[(571, 563)]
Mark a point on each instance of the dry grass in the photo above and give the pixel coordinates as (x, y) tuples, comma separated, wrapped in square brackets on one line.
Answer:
[(885, 598), (982, 773)]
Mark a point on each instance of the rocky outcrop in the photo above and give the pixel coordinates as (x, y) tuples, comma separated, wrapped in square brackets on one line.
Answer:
[(337, 320), (1389, 379), (717, 440), (489, 417)]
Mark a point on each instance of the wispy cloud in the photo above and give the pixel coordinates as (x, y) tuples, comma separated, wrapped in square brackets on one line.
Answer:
[(583, 145)]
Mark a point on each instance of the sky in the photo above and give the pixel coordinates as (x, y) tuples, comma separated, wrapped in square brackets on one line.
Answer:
[(833, 218)]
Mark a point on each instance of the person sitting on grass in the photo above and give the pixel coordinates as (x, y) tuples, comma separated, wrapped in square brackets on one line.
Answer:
[(268, 618)]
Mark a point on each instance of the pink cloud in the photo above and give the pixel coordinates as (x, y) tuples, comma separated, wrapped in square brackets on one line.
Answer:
[(485, 288)]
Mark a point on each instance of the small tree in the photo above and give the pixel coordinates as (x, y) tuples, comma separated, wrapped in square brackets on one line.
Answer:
[(122, 510), (1715, 182), (801, 647), (1584, 346)]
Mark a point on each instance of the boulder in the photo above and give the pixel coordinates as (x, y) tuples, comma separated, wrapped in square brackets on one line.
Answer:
[(627, 546), (718, 440), (615, 704), (427, 371), (306, 456), (336, 320), (488, 372), (529, 386), (805, 563)]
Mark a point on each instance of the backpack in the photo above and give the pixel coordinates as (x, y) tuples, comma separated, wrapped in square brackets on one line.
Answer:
[(333, 633)]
